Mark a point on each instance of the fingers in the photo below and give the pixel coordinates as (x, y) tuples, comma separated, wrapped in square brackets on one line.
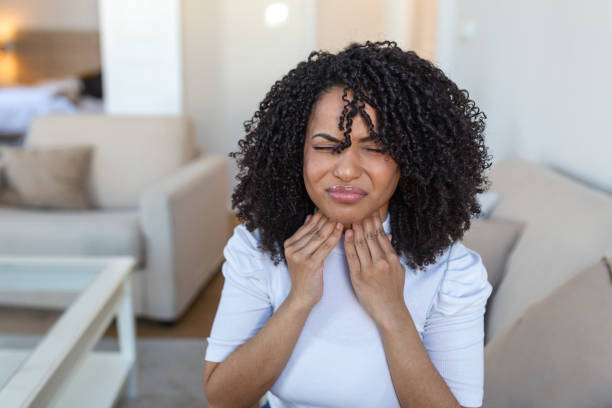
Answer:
[(313, 223), (316, 238), (361, 245), (385, 243), (322, 241), (351, 253), (372, 229), (367, 242)]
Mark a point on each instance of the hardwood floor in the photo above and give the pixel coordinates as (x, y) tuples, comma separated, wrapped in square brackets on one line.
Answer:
[(195, 323)]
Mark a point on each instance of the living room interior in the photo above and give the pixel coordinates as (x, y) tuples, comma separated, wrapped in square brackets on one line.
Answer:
[(119, 272)]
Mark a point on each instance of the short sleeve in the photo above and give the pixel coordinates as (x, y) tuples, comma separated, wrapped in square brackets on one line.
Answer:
[(245, 304), (453, 334)]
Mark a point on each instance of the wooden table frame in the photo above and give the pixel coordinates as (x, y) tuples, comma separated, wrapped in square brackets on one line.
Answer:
[(62, 370)]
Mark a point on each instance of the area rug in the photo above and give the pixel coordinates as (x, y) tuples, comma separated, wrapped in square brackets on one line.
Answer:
[(170, 370)]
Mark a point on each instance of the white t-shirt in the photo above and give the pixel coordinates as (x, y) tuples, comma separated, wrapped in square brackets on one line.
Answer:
[(339, 358)]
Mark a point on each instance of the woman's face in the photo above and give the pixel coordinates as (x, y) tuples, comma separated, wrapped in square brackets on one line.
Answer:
[(373, 176)]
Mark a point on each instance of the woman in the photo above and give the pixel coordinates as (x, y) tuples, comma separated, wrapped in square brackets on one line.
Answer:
[(346, 286)]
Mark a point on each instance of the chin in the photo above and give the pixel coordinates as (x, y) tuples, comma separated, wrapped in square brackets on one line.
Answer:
[(345, 215)]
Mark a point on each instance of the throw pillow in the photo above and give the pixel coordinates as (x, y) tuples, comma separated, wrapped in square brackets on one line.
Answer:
[(493, 240), (50, 177), (558, 353)]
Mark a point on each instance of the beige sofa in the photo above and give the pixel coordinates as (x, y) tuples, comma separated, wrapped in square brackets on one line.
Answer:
[(548, 323), (157, 197)]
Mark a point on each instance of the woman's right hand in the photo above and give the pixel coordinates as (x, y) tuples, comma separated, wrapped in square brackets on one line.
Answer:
[(305, 252)]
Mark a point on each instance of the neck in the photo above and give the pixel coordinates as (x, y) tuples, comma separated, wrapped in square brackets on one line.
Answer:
[(382, 213)]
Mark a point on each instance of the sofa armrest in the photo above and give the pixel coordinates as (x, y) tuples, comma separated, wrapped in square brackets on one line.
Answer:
[(186, 225)]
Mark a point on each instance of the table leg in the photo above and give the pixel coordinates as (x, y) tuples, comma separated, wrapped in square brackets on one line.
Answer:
[(127, 338)]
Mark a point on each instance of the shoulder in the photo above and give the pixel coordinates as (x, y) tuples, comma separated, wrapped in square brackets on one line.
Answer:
[(464, 282), (243, 257), (244, 240)]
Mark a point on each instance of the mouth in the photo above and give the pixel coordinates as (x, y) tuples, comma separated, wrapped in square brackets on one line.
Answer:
[(346, 194)]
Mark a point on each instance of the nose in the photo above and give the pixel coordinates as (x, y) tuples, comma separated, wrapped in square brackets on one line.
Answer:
[(347, 166)]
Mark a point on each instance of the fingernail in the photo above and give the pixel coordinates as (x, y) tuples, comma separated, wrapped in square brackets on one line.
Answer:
[(307, 218), (389, 237), (338, 226), (349, 234)]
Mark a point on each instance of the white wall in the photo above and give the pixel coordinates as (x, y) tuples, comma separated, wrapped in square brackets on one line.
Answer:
[(141, 56), (53, 14), (253, 57), (540, 72), (340, 22), (203, 94)]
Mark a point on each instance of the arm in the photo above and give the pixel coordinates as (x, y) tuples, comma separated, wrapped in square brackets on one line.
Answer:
[(447, 366), (253, 344), (451, 355), (246, 374), (416, 380)]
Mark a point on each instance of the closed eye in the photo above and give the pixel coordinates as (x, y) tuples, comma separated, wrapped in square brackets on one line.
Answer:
[(331, 147)]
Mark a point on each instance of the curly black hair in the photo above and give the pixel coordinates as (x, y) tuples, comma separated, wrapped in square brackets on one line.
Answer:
[(426, 123)]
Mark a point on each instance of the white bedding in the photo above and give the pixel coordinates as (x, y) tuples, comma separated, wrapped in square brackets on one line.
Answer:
[(19, 105)]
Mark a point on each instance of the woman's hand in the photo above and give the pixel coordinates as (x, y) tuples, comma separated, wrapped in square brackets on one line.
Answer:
[(305, 252), (376, 273)]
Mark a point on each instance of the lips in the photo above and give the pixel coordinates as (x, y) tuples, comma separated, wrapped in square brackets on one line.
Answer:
[(347, 189), (346, 194)]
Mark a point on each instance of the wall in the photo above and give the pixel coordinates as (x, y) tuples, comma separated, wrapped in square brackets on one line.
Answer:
[(41, 14), (412, 24), (254, 56), (67, 14), (203, 96), (340, 22), (141, 56), (539, 71)]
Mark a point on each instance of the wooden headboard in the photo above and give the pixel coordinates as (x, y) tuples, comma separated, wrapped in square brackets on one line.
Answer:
[(42, 54)]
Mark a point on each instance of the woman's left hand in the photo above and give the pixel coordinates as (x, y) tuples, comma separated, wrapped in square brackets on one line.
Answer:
[(376, 272)]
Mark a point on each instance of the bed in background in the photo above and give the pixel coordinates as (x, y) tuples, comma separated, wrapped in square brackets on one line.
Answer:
[(58, 71)]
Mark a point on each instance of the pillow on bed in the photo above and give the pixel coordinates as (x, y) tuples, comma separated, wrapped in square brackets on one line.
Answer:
[(68, 87), (50, 177), (557, 354)]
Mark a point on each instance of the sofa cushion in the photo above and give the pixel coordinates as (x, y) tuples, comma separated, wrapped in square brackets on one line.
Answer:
[(131, 152), (39, 232), (493, 240), (568, 227), (46, 177), (558, 353)]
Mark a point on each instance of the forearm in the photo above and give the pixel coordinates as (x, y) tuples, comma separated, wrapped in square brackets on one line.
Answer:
[(252, 369), (416, 380)]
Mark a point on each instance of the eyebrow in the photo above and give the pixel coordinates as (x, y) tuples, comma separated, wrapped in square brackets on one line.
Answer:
[(333, 139)]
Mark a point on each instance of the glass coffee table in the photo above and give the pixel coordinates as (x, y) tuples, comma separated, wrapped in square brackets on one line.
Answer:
[(62, 370)]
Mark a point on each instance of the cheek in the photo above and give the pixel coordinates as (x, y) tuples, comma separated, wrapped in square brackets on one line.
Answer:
[(314, 168), (387, 175)]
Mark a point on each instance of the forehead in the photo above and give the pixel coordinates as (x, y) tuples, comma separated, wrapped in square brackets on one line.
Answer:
[(328, 109)]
